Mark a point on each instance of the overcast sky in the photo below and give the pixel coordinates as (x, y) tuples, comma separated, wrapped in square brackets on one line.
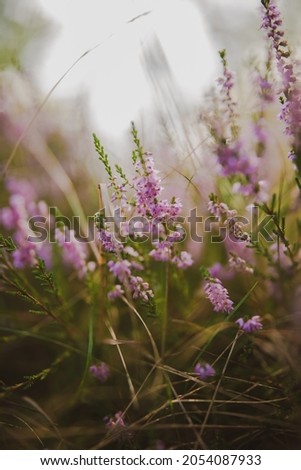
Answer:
[(112, 75)]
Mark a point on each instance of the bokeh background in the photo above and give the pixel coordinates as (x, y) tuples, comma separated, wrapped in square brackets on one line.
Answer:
[(69, 68)]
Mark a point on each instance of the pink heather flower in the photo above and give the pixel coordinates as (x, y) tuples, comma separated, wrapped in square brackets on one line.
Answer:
[(279, 255), (116, 421), (15, 218), (267, 93), (116, 292), (272, 23), (162, 251), (129, 250), (290, 112), (140, 289), (24, 256), (100, 371), (220, 210), (227, 84), (239, 264), (227, 81), (108, 242), (218, 296), (183, 261), (251, 325), (147, 186), (137, 286), (235, 160), (119, 193), (74, 252), (137, 266), (175, 237), (21, 187), (205, 371), (120, 269), (220, 271)]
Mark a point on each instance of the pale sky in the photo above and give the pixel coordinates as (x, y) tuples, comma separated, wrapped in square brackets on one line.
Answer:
[(112, 76)]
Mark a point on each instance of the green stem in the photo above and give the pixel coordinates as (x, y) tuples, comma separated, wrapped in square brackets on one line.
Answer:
[(164, 306), (90, 345), (218, 384)]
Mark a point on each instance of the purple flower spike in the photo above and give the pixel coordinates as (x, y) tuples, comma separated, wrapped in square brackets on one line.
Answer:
[(100, 371), (183, 261), (116, 292), (204, 371), (218, 296), (249, 326)]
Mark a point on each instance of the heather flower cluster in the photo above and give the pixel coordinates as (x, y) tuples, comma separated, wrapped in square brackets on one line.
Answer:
[(139, 326), (143, 195), (74, 253), (272, 23), (234, 160), (100, 371), (218, 295), (115, 422), (220, 210), (122, 270), (239, 264), (290, 93), (204, 371), (16, 217), (251, 325)]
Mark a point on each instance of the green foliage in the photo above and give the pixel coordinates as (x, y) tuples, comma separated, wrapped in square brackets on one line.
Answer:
[(265, 3), (7, 244), (103, 157), (46, 279), (138, 153), (121, 173), (99, 219)]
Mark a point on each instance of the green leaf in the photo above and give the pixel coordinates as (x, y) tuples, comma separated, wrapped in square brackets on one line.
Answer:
[(7, 244), (265, 3), (103, 157)]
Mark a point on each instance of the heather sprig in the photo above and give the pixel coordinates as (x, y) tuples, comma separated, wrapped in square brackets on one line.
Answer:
[(138, 152), (160, 214), (15, 284), (227, 84), (218, 295), (251, 325), (290, 93), (236, 160), (103, 157), (204, 371)]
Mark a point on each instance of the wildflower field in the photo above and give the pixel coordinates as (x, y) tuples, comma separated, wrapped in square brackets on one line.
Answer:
[(157, 309)]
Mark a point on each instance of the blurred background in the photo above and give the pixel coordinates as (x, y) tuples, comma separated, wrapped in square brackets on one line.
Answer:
[(155, 70)]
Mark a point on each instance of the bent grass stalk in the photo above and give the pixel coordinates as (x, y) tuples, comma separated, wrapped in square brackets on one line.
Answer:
[(129, 380), (218, 385), (49, 94), (152, 341)]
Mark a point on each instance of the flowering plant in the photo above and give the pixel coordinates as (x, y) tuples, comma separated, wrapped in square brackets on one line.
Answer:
[(151, 332)]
